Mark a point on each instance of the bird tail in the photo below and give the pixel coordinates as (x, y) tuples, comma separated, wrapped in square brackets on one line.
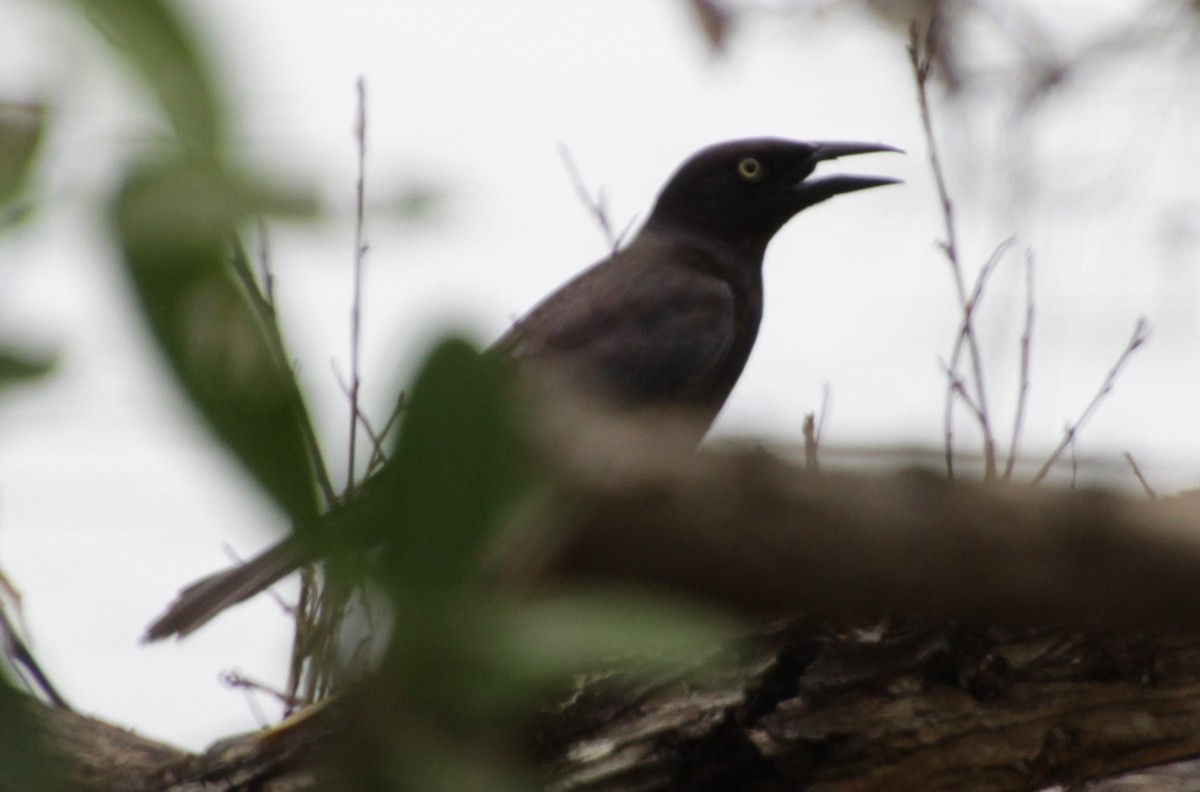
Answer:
[(208, 597)]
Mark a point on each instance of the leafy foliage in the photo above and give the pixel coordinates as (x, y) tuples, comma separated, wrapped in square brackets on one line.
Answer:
[(467, 658), (18, 366), (22, 128), (175, 222), (158, 46)]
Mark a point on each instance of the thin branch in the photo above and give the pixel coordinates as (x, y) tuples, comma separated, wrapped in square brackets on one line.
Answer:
[(1141, 479), (360, 253), (948, 435), (1023, 386), (314, 647), (262, 303), (956, 386), (1141, 334), (810, 444), (297, 613), (378, 456), (17, 651), (305, 614), (597, 207), (236, 680), (814, 427), (966, 330), (264, 308), (921, 55)]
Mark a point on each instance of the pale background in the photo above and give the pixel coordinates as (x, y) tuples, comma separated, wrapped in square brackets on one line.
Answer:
[(112, 496)]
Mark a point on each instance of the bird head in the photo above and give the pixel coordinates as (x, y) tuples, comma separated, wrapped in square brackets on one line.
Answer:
[(742, 192)]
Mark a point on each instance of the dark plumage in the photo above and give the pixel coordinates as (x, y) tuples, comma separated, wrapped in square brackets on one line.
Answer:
[(670, 320), (666, 322)]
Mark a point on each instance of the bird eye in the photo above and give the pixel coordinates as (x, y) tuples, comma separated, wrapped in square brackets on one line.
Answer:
[(750, 169)]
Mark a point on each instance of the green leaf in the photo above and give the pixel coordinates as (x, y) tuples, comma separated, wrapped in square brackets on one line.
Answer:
[(416, 202), (22, 128), (160, 49), (451, 769), (551, 637), (482, 661), (174, 224), (26, 762), (385, 747), (18, 366), (458, 463)]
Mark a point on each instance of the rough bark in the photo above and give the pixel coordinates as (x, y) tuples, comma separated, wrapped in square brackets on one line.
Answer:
[(886, 708), (947, 695), (927, 709)]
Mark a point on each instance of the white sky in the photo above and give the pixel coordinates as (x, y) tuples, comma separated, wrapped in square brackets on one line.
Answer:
[(109, 501)]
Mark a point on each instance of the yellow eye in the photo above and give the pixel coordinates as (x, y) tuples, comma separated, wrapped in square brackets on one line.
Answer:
[(750, 169)]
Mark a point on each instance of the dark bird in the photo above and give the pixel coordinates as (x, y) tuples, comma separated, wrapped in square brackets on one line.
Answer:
[(667, 322)]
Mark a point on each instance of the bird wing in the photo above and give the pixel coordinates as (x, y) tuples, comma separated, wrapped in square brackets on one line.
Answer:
[(641, 331)]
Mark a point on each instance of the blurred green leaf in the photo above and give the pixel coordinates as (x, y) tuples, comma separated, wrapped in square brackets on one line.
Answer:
[(552, 637), (188, 203), (468, 660), (483, 661), (410, 755), (175, 223), (17, 366), (26, 762), (22, 127), (159, 47), (457, 465), (417, 202), (451, 769)]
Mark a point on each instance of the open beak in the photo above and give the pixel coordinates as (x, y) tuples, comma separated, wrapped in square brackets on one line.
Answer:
[(812, 191)]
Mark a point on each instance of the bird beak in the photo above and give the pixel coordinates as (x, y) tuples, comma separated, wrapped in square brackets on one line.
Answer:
[(812, 191)]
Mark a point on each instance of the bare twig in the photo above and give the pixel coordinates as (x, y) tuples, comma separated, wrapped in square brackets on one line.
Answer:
[(364, 423), (261, 304), (16, 650), (598, 206), (360, 254), (378, 456), (1141, 334), (301, 617), (810, 444), (1023, 386), (921, 55), (956, 386), (1141, 479), (235, 679), (377, 438), (948, 435), (315, 643), (305, 615), (814, 426)]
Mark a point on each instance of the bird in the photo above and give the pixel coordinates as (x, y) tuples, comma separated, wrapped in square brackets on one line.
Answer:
[(666, 322)]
